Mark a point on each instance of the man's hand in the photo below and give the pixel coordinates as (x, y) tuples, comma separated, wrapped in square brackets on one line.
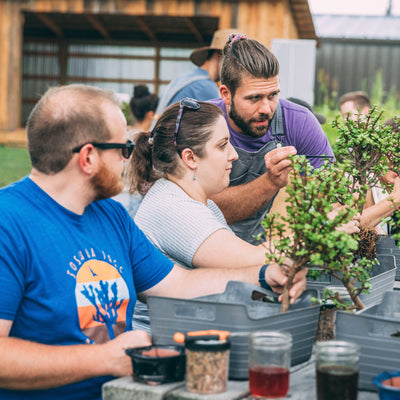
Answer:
[(278, 166), (277, 278), (119, 362)]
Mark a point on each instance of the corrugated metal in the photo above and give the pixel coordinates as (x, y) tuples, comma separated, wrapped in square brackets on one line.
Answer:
[(113, 67), (343, 66), (357, 27), (353, 50)]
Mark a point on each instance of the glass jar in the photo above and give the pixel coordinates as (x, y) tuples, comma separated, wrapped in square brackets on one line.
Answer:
[(207, 364), (269, 363), (337, 370)]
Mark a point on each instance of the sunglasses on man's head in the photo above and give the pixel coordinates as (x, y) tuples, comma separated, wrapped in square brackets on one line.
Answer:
[(190, 104), (126, 148)]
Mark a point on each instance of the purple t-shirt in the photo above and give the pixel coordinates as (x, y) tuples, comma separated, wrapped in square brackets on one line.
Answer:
[(303, 131)]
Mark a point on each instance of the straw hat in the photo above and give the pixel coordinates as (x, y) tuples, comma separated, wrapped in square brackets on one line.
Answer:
[(220, 37)]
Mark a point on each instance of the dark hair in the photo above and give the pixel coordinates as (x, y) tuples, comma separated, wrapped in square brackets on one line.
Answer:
[(66, 117), (359, 98), (142, 102), (246, 57), (156, 154)]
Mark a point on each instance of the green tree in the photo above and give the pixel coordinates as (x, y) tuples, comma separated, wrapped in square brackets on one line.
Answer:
[(308, 236)]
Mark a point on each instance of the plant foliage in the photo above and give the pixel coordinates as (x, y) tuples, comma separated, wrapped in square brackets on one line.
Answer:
[(308, 236)]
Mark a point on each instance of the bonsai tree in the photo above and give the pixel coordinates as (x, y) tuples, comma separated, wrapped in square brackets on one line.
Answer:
[(393, 157), (308, 236), (364, 143)]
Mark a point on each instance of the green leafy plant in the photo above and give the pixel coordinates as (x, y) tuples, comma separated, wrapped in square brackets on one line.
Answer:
[(125, 108), (308, 236), (363, 143)]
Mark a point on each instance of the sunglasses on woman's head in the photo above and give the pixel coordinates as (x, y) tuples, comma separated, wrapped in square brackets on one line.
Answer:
[(190, 104), (126, 148)]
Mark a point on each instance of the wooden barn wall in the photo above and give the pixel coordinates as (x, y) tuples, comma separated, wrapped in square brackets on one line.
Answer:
[(11, 22), (260, 19)]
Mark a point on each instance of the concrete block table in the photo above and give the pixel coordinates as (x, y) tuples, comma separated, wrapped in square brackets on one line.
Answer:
[(302, 387)]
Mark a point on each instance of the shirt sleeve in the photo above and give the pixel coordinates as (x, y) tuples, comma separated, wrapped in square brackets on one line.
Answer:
[(12, 280), (201, 90), (306, 134), (179, 227)]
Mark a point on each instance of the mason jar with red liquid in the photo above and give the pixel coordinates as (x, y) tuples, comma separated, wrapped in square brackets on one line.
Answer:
[(269, 363)]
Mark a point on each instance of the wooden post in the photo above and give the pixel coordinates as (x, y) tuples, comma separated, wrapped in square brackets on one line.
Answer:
[(11, 33)]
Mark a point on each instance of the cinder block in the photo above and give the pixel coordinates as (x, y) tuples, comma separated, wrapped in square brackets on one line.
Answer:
[(126, 388)]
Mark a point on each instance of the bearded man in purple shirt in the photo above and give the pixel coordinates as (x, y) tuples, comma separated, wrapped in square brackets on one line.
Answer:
[(264, 130)]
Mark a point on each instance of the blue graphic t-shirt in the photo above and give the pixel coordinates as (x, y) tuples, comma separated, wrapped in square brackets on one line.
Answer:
[(69, 278)]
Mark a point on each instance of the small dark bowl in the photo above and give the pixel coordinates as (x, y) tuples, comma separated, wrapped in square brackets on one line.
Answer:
[(158, 364)]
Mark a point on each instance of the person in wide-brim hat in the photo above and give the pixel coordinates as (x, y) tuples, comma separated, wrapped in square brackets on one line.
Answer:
[(220, 37)]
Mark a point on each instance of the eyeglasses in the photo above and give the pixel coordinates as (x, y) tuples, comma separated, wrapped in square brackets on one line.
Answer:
[(126, 148), (188, 103)]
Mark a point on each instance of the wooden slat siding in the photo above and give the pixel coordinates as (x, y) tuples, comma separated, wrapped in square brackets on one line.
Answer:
[(225, 17), (276, 15), (243, 18), (150, 6), (132, 7), (42, 5), (10, 66), (226, 11), (289, 25), (15, 67), (209, 7), (174, 7), (234, 15), (4, 56)]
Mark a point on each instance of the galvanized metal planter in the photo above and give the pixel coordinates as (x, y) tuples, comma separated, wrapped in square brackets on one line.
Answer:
[(377, 330), (240, 309), (382, 280)]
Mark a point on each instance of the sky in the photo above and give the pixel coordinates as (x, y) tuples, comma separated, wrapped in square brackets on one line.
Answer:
[(353, 7)]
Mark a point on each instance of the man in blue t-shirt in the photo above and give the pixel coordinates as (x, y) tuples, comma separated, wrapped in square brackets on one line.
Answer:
[(73, 262)]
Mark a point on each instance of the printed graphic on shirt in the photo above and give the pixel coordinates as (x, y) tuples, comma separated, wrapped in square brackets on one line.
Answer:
[(102, 297)]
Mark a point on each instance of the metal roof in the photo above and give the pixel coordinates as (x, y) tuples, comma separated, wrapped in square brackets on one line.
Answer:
[(357, 27)]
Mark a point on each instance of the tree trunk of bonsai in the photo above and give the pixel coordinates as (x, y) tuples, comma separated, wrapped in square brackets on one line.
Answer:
[(358, 304), (289, 284)]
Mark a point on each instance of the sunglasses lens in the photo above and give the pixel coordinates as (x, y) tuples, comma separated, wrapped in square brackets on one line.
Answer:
[(190, 103), (127, 151)]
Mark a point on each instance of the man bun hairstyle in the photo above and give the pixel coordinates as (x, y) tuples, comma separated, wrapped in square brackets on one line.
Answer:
[(246, 57)]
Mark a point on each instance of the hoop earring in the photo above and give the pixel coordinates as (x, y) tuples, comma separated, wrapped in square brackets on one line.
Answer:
[(194, 174)]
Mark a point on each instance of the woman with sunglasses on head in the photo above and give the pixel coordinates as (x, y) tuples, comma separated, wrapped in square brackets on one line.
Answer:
[(185, 160)]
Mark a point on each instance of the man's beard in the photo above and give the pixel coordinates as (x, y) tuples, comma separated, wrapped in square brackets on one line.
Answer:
[(106, 184), (245, 126)]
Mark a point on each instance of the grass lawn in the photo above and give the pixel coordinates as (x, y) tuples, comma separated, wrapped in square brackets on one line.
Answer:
[(14, 164)]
